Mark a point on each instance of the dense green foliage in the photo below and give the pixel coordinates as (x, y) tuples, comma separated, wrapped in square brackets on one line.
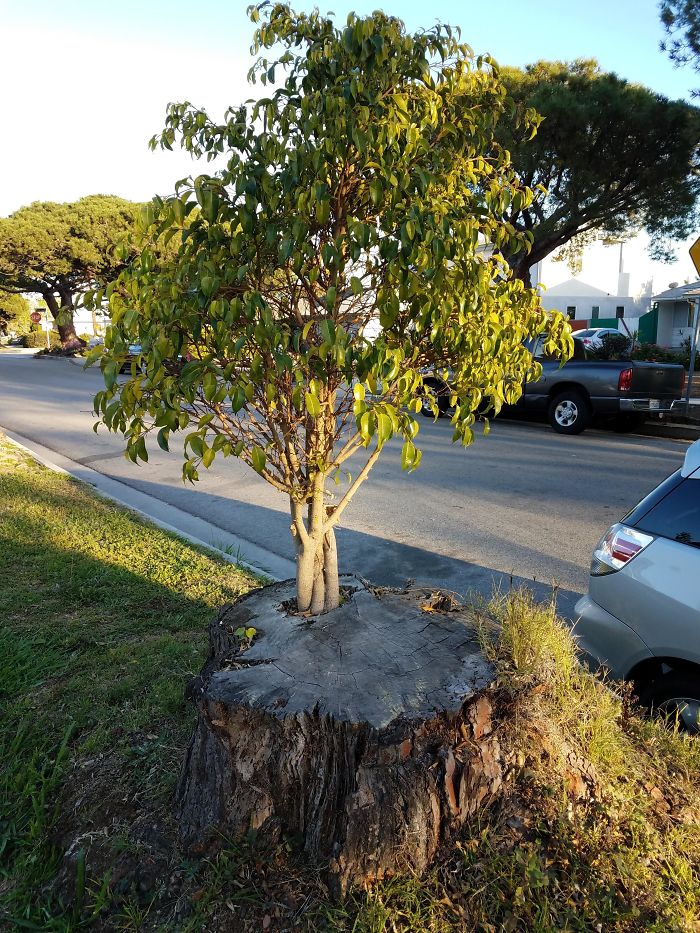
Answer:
[(367, 190), (610, 157), (681, 19), (14, 314), (59, 251)]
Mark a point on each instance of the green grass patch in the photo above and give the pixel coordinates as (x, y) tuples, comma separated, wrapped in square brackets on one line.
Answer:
[(103, 622)]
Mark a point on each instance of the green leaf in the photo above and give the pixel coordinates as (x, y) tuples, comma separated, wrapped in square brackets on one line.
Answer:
[(356, 285), (162, 438), (258, 459), (208, 457), (313, 404)]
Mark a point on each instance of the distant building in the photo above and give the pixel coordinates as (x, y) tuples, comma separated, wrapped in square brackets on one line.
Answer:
[(670, 321), (583, 302)]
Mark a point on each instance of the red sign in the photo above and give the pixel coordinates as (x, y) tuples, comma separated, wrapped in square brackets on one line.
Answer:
[(35, 317)]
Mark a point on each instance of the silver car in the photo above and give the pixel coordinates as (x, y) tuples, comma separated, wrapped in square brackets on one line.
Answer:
[(641, 618)]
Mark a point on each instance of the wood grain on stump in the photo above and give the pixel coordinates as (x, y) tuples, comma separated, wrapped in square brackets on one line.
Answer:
[(365, 732)]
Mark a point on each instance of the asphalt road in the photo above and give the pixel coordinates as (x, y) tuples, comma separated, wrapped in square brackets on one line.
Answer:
[(522, 505)]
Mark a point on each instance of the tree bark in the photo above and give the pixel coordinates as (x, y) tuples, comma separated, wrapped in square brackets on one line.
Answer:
[(366, 733), (63, 316), (316, 553)]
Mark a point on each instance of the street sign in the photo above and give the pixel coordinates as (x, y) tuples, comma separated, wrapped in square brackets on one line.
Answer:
[(695, 254), (35, 317)]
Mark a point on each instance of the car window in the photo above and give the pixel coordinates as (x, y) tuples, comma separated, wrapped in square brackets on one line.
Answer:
[(583, 333), (677, 515)]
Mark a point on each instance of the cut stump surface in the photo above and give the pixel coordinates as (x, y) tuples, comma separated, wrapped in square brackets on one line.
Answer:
[(365, 732)]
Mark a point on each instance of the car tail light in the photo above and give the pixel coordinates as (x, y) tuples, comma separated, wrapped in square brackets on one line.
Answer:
[(618, 546), (624, 382)]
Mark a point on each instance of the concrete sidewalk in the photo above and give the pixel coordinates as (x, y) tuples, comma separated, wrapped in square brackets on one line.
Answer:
[(198, 531)]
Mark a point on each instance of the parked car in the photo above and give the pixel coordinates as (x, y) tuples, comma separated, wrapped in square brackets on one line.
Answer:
[(625, 391), (134, 351), (593, 336), (641, 617)]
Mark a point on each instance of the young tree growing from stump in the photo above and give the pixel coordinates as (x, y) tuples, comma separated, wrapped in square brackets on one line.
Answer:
[(367, 188)]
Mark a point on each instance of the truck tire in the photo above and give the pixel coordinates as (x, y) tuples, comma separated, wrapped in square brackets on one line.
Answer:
[(569, 412), (439, 392)]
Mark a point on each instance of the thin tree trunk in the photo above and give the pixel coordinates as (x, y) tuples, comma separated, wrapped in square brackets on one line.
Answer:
[(316, 555), (330, 572)]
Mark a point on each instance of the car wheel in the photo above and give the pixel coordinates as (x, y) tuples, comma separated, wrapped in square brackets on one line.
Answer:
[(569, 412), (437, 390), (675, 697), (623, 424)]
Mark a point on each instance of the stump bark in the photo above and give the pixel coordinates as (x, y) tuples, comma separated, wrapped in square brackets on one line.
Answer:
[(365, 732)]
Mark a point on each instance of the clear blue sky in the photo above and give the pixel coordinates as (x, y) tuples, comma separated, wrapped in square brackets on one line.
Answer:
[(622, 34), (84, 83)]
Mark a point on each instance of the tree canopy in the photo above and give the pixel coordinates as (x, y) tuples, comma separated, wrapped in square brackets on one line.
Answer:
[(59, 251), (367, 186), (608, 156), (14, 313), (681, 20)]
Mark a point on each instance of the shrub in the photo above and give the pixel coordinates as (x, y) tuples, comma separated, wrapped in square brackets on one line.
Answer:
[(37, 339), (652, 352), (612, 347)]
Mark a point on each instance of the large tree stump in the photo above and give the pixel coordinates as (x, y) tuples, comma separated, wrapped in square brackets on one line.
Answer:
[(365, 732)]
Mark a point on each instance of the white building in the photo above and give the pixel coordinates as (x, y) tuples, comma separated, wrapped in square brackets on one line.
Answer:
[(583, 302)]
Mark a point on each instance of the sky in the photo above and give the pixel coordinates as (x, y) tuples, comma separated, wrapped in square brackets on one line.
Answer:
[(84, 84)]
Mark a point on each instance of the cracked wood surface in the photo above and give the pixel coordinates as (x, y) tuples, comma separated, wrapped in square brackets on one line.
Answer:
[(371, 660)]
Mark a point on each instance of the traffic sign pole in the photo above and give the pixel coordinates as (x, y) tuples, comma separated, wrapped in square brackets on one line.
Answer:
[(693, 352), (695, 256)]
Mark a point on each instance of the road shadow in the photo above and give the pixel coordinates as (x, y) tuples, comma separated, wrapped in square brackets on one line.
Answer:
[(382, 561)]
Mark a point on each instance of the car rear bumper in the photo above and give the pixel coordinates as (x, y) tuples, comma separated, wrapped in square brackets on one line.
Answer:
[(605, 641), (650, 405)]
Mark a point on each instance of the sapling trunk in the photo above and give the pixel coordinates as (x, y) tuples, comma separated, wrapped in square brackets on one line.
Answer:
[(317, 556)]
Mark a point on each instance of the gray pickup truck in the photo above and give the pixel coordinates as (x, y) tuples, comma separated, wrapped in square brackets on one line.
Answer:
[(624, 391)]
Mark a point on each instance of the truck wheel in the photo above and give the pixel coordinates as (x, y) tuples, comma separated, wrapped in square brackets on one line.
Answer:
[(569, 412), (435, 388)]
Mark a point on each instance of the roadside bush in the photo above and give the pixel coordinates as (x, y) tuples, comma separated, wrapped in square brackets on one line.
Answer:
[(613, 347), (37, 340), (652, 352)]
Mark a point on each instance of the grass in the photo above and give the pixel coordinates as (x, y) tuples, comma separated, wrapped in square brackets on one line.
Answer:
[(103, 622)]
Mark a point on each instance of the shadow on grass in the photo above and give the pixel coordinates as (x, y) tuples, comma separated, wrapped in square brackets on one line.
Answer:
[(103, 622)]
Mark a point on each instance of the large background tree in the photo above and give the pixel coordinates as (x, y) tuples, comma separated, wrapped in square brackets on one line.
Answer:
[(14, 313), (681, 19), (59, 251), (609, 156), (363, 188)]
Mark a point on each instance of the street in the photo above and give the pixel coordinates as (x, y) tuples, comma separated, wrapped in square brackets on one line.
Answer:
[(523, 504)]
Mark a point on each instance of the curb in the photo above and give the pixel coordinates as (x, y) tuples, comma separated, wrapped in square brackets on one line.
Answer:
[(672, 430), (195, 530)]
